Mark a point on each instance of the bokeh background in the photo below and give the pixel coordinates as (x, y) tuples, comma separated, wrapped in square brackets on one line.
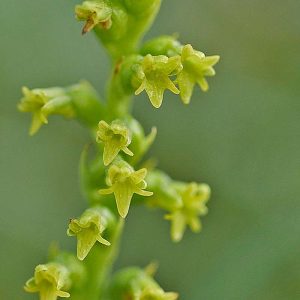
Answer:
[(242, 137)]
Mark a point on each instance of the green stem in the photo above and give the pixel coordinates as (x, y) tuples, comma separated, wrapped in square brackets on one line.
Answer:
[(99, 264), (119, 100)]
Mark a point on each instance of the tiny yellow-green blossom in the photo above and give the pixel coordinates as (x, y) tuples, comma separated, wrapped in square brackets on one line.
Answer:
[(196, 66), (153, 74), (49, 281), (156, 294), (123, 181), (194, 197), (88, 230), (42, 103), (95, 13), (115, 137)]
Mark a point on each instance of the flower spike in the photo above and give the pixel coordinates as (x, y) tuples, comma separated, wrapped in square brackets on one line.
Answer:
[(195, 67), (194, 197), (123, 181), (49, 280), (154, 73), (115, 137), (94, 13), (88, 229)]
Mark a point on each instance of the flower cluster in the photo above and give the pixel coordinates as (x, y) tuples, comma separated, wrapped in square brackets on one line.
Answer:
[(112, 169), (154, 74)]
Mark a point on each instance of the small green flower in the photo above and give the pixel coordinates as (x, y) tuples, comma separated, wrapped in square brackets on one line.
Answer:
[(88, 229), (97, 12), (115, 137), (195, 67), (153, 75), (44, 102), (156, 294), (49, 280), (123, 181), (194, 197)]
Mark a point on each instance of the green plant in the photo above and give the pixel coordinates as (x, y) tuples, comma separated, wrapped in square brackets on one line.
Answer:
[(112, 169)]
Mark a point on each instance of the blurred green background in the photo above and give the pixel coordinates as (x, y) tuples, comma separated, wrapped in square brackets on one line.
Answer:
[(242, 137)]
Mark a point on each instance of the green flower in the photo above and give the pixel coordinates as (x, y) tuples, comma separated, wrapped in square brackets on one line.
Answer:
[(88, 229), (137, 284), (153, 75), (196, 66), (95, 13), (123, 181), (194, 197), (156, 294), (44, 102), (115, 137), (49, 280)]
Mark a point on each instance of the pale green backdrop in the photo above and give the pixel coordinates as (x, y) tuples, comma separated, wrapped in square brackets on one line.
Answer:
[(242, 138)]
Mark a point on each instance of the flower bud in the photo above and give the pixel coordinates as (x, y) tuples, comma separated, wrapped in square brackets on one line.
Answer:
[(88, 229), (123, 181), (97, 12), (153, 75), (196, 66), (163, 45), (115, 138), (49, 281)]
